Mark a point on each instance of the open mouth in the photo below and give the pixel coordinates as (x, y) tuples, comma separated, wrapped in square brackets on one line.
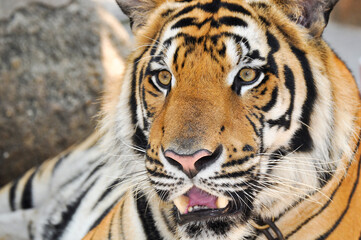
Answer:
[(197, 205)]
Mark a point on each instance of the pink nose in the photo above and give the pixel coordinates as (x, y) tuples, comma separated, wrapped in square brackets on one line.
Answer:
[(187, 161)]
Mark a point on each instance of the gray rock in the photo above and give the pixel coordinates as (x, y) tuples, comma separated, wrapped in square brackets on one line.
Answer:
[(52, 72), (9, 6)]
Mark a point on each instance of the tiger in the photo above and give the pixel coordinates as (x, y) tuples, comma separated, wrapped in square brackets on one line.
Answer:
[(234, 119)]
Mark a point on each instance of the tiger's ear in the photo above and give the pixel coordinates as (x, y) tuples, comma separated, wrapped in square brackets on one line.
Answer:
[(137, 11), (312, 14)]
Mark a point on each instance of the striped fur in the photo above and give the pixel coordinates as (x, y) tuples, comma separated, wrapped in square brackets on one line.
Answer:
[(289, 143)]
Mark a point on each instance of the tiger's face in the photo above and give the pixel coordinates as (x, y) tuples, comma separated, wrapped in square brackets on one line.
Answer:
[(223, 94)]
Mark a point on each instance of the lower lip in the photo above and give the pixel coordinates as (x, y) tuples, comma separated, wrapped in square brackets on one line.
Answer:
[(208, 214)]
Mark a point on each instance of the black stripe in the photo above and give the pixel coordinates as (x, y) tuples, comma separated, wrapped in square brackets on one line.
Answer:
[(161, 184), (237, 86), (141, 90), (275, 46), (290, 84), (105, 213), (325, 235), (59, 162), (220, 227), (152, 93), (57, 230), (12, 194), (236, 162), (255, 55), (285, 119), (110, 230), (121, 227), (175, 56), (193, 230), (222, 52), (228, 21), (139, 139), (191, 40), (235, 174), (167, 13), (276, 159), (27, 198), (108, 190), (258, 133), (133, 100), (91, 174), (236, 38), (70, 181), (243, 201), (154, 161), (260, 5), (170, 226), (30, 230), (232, 21), (163, 194), (236, 8), (213, 7), (150, 81), (147, 114), (302, 140), (154, 173), (186, 22), (272, 102), (264, 21), (154, 47), (250, 237), (287, 36), (183, 12), (146, 217)]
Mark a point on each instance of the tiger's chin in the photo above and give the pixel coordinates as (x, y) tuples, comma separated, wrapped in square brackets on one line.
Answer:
[(199, 206)]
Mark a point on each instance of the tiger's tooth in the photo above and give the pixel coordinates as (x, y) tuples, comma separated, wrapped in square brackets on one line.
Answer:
[(181, 203), (222, 202)]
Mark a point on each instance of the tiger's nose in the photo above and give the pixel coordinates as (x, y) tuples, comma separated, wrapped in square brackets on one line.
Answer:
[(192, 164)]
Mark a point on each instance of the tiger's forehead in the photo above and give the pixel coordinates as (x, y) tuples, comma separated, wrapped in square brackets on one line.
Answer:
[(228, 28)]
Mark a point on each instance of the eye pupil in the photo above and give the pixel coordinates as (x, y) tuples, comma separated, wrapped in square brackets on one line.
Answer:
[(164, 77), (247, 74)]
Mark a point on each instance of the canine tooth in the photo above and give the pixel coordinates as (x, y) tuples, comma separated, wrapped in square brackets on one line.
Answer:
[(181, 203), (222, 202), (190, 209)]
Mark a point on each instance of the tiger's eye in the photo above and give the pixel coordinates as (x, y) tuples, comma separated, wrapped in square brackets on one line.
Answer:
[(164, 77), (247, 74)]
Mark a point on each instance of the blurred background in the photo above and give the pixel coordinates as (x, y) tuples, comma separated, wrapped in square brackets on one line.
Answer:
[(58, 56)]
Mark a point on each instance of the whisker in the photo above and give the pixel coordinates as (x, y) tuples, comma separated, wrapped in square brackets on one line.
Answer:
[(137, 148), (309, 187)]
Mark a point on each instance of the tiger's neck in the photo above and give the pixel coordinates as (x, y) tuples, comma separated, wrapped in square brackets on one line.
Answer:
[(333, 211)]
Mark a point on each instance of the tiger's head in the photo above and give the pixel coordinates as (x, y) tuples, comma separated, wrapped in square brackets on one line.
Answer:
[(233, 103)]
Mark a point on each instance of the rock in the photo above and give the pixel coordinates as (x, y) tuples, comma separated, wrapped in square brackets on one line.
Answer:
[(9, 6), (56, 58), (348, 11)]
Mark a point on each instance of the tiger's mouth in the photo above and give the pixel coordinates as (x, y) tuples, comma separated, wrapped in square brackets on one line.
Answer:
[(198, 205)]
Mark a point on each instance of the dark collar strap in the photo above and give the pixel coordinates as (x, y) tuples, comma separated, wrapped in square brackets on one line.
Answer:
[(266, 227)]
